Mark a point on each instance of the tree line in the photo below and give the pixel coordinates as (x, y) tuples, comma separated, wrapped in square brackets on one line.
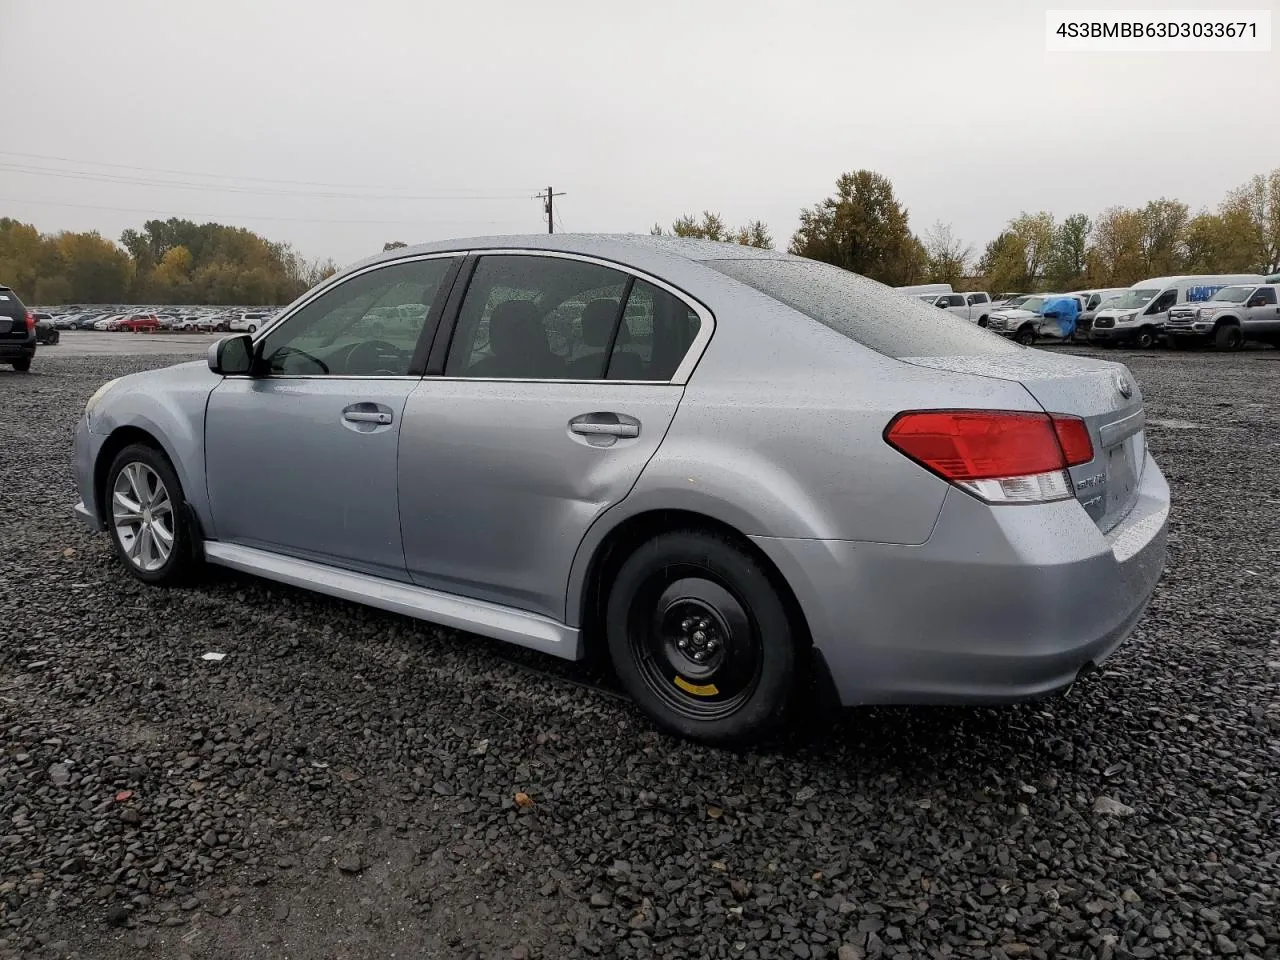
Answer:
[(166, 261), (863, 227)]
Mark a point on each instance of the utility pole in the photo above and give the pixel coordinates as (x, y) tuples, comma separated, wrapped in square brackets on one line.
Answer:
[(548, 200)]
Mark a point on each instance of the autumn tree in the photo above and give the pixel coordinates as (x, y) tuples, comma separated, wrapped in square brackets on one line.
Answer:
[(863, 228), (1116, 257), (946, 258), (1164, 237), (1003, 264), (1068, 264), (754, 234), (1035, 232), (1258, 201), (712, 226)]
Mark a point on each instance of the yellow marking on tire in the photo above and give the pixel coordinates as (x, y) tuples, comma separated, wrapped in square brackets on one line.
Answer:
[(698, 690)]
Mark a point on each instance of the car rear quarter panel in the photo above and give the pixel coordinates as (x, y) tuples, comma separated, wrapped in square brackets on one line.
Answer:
[(780, 432), (169, 405)]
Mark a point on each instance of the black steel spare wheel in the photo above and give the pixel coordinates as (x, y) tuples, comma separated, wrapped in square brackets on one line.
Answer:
[(700, 638), (695, 643)]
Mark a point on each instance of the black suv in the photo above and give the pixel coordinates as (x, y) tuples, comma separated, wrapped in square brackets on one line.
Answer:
[(17, 332)]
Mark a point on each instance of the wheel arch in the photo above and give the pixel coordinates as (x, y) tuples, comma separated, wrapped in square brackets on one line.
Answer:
[(117, 440), (595, 566), (124, 436)]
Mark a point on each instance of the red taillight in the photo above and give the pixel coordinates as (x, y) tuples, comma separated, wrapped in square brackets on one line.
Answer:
[(31, 321), (1073, 434), (999, 455)]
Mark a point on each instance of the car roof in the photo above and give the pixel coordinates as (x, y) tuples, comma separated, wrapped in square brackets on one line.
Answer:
[(639, 250)]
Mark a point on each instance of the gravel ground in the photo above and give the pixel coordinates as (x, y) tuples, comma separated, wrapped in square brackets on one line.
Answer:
[(349, 784)]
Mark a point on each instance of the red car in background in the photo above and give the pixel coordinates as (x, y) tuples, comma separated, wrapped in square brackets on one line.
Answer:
[(136, 322)]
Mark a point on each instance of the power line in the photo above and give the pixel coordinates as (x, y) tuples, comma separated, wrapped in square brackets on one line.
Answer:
[(243, 177), (220, 188), (224, 216)]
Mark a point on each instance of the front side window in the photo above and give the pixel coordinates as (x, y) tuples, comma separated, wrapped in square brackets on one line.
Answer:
[(1163, 302), (553, 318), (369, 325), (976, 299), (1266, 295)]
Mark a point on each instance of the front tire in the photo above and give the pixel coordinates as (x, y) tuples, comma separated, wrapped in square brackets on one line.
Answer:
[(1144, 339), (143, 504), (1026, 336), (700, 639), (1228, 337)]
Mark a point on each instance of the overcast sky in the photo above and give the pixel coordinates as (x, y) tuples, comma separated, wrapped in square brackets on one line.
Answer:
[(638, 112)]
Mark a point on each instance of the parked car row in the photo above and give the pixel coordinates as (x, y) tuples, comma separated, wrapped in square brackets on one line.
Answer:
[(1224, 310), (147, 321)]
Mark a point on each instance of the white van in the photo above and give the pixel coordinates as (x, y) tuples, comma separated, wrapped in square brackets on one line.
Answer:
[(920, 289), (1094, 300), (1138, 316)]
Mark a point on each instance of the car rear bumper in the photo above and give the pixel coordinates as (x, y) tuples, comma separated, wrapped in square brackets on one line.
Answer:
[(1001, 604), (17, 350)]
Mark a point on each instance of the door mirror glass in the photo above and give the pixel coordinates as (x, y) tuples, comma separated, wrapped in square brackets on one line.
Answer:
[(232, 355)]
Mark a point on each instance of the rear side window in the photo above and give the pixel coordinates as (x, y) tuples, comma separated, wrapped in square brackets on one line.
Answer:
[(10, 305), (531, 317), (866, 312)]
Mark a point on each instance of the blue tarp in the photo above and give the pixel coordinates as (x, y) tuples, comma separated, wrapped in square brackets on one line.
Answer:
[(1063, 311)]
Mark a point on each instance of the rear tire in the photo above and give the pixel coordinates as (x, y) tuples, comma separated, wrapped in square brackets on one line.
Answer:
[(1228, 337), (22, 366), (143, 505), (701, 640)]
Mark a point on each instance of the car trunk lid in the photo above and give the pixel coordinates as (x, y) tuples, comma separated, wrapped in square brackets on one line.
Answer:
[(1103, 394)]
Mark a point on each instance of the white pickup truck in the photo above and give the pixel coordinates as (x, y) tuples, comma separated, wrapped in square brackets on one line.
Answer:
[(1234, 315), (974, 307)]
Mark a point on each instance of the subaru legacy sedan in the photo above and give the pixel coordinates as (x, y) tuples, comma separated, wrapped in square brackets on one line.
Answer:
[(735, 472)]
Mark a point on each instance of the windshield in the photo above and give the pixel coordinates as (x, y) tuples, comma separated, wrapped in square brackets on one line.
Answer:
[(1017, 301), (864, 311), (1132, 299), (1028, 303), (1233, 294)]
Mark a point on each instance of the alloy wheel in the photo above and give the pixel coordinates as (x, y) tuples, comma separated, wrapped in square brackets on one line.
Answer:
[(143, 515)]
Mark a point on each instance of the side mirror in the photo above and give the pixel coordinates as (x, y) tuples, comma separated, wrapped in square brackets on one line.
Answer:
[(232, 355)]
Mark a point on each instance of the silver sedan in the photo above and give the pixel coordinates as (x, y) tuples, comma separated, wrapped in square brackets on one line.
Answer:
[(732, 469)]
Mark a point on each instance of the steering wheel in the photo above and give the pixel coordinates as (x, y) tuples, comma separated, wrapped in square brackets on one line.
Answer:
[(374, 353)]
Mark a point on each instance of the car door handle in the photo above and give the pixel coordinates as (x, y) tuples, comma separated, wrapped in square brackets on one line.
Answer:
[(366, 416), (591, 429)]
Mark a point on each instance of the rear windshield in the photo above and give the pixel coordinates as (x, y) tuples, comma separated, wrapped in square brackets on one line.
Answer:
[(865, 311), (10, 305)]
